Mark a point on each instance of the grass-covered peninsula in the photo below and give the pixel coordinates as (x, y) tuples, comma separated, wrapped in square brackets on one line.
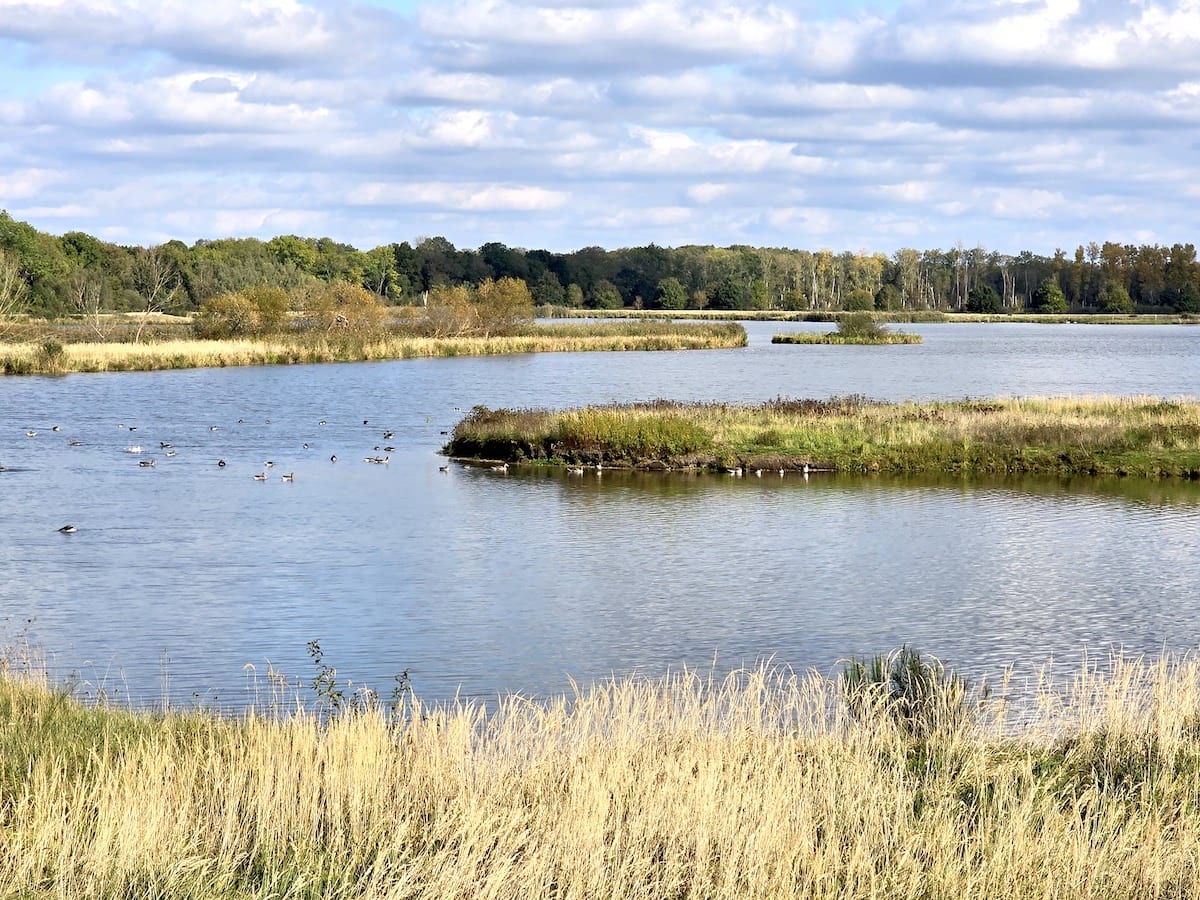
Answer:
[(766, 784), (51, 356), (1146, 437)]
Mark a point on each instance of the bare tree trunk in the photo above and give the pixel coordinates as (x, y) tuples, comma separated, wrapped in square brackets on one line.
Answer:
[(157, 281)]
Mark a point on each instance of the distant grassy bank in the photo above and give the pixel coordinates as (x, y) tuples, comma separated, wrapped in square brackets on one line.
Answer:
[(50, 356), (767, 784), (1145, 437), (899, 315)]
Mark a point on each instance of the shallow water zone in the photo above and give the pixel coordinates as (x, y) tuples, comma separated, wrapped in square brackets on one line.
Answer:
[(187, 579)]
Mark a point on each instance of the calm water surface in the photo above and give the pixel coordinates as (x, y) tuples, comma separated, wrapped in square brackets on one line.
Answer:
[(183, 575)]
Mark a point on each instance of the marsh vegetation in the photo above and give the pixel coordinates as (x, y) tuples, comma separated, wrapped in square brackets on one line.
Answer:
[(1147, 437), (765, 783), (853, 328)]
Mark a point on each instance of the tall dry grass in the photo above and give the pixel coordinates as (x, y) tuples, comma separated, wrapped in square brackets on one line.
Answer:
[(761, 785), (30, 358)]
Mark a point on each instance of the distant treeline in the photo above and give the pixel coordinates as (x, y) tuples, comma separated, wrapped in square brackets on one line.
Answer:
[(78, 273)]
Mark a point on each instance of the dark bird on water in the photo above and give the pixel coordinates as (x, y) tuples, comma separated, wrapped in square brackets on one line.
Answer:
[(68, 529), (221, 463)]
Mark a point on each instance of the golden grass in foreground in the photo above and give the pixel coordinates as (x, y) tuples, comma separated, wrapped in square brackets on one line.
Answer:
[(1143, 436), (760, 786), (32, 358)]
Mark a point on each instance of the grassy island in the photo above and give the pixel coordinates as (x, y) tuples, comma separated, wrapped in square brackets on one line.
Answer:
[(765, 784), (52, 356), (1146, 437), (854, 328)]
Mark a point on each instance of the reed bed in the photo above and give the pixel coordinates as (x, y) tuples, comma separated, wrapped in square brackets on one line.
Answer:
[(759, 785), (809, 337), (1137, 436), (55, 358)]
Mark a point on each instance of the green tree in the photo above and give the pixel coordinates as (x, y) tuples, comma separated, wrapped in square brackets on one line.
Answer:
[(888, 297), (983, 299), (547, 290), (671, 294), (574, 295), (1115, 299), (859, 299), (728, 294), (1049, 298), (606, 296), (760, 296)]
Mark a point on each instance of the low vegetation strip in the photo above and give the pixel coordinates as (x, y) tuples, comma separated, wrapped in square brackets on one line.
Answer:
[(53, 358), (833, 337), (1139, 436), (764, 784)]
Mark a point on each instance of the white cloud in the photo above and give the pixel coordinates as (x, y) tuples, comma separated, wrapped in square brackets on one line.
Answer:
[(577, 122)]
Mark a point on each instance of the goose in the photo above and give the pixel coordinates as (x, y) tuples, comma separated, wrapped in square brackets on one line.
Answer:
[(805, 469), (445, 468), (261, 476), (290, 476), (781, 473), (736, 471), (68, 529), (503, 467), (146, 463), (758, 473), (575, 470)]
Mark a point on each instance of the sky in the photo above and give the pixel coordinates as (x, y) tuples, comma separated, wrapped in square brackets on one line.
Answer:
[(859, 125)]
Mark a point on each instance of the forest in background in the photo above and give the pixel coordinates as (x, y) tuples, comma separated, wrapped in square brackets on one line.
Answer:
[(78, 274)]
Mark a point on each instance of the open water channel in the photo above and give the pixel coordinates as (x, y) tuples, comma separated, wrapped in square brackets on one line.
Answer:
[(187, 580)]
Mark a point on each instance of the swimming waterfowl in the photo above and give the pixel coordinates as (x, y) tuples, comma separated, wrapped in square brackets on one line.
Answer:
[(290, 476), (146, 463), (268, 463), (388, 435), (55, 428), (575, 470), (163, 445), (445, 468), (135, 448), (333, 458), (221, 463), (170, 453), (261, 476), (31, 433), (74, 443), (68, 529), (322, 422), (503, 467)]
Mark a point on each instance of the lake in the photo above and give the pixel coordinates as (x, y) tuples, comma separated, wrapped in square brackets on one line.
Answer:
[(187, 580)]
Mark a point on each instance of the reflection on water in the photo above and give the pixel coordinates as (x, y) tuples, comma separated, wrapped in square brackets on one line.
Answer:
[(481, 582)]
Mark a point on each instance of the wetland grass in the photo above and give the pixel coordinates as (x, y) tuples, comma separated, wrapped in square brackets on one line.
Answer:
[(764, 784), (1135, 436), (30, 358)]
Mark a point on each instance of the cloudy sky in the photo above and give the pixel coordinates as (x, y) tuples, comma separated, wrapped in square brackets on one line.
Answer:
[(864, 124)]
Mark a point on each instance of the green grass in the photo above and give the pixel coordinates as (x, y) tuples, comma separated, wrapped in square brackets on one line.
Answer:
[(1143, 437), (833, 337)]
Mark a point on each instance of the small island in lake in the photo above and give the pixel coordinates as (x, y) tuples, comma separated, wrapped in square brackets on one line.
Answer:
[(1139, 436), (855, 328)]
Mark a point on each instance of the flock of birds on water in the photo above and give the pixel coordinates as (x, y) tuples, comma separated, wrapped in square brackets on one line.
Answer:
[(169, 451), (381, 455)]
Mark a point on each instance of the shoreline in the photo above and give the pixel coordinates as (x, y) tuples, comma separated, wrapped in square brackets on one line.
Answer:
[(54, 358), (1124, 437)]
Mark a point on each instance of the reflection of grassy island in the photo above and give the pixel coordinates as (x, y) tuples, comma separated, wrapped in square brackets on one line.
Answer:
[(855, 328), (767, 784), (1122, 436), (54, 356)]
